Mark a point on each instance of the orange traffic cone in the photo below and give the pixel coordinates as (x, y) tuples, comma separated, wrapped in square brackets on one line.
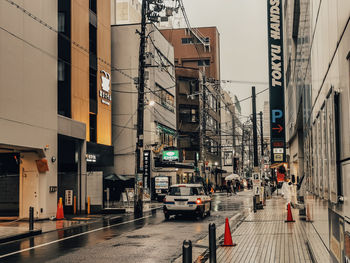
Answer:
[(289, 215), (60, 214), (228, 238)]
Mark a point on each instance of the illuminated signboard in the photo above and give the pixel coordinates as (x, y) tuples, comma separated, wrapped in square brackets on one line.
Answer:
[(170, 155), (146, 168)]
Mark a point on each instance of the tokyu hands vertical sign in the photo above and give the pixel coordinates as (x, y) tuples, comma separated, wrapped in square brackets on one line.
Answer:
[(276, 80)]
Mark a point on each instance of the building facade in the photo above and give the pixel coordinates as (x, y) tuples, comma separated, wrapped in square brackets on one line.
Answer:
[(199, 49), (125, 12), (28, 110), (84, 101), (160, 101), (188, 81), (317, 95), (229, 156)]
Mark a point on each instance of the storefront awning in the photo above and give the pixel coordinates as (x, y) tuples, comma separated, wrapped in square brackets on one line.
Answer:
[(165, 129), (276, 165), (115, 177)]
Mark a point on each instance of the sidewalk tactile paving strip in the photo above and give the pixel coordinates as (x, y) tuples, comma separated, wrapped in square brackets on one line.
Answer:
[(265, 237)]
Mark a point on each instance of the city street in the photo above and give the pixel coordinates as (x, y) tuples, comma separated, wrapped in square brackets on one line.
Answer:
[(119, 119), (125, 239)]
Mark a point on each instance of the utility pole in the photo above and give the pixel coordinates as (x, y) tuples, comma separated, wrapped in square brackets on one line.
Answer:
[(242, 148), (234, 144), (255, 134), (249, 149), (203, 128), (138, 204), (261, 135)]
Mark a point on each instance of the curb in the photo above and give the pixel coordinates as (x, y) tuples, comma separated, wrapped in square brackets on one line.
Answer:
[(20, 236), (238, 218), (311, 252)]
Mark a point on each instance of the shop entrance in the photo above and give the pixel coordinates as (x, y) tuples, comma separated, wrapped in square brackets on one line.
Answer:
[(9, 184), (68, 173)]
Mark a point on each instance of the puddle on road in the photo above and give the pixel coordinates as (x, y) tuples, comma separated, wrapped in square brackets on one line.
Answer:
[(139, 236), (129, 244)]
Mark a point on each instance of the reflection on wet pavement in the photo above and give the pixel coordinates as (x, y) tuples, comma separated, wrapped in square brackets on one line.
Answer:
[(122, 238)]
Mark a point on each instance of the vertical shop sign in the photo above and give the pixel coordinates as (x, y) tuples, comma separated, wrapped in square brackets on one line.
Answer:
[(146, 168), (68, 200), (276, 80)]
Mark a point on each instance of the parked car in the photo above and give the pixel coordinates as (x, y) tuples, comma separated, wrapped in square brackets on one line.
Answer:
[(187, 199)]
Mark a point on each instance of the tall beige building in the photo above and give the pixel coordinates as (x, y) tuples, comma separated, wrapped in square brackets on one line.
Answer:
[(28, 109), (160, 110), (125, 12)]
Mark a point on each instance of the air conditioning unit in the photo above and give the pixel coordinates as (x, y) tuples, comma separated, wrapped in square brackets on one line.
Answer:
[(146, 75), (148, 59)]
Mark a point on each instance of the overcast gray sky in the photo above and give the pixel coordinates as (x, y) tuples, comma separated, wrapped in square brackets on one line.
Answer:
[(243, 34)]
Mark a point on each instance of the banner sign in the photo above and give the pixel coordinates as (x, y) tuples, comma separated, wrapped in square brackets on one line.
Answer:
[(276, 81), (170, 155), (146, 168)]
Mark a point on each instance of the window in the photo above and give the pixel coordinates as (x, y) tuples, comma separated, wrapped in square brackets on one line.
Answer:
[(188, 113), (214, 104), (205, 63), (165, 98), (61, 22), (227, 158), (212, 124), (188, 86), (211, 101), (93, 6), (212, 146), (206, 39), (60, 71), (93, 127), (165, 135), (186, 191), (93, 90), (187, 40), (92, 39)]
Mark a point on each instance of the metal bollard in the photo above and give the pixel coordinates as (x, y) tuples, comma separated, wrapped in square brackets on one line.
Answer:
[(254, 203), (187, 251), (212, 243), (31, 218)]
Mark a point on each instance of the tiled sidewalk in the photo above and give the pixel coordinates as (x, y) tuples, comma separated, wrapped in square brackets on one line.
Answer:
[(265, 237)]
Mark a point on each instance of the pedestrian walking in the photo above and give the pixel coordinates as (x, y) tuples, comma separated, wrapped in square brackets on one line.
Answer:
[(286, 190), (238, 184), (228, 188)]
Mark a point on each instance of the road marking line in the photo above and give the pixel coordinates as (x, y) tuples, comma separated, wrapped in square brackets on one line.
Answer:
[(80, 234)]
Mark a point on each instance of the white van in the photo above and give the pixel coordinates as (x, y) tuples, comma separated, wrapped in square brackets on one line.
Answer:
[(187, 199)]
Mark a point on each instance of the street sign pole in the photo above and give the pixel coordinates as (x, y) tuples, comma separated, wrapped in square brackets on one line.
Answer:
[(256, 173), (276, 81)]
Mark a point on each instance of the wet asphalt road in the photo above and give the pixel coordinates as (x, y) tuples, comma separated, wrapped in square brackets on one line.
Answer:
[(123, 238)]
